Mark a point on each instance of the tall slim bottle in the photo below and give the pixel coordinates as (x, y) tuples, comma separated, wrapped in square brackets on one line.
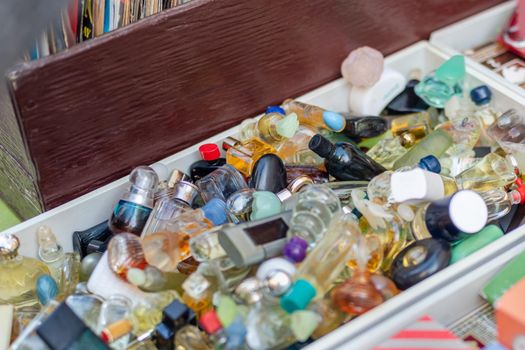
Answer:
[(313, 278), (435, 143), (314, 116)]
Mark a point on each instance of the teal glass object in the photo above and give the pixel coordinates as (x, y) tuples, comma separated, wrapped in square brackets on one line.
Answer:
[(264, 205), (46, 289), (446, 81)]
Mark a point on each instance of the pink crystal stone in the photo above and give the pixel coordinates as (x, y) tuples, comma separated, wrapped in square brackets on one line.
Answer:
[(363, 67)]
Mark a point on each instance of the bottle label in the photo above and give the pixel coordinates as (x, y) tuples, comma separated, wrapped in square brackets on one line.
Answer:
[(130, 217)]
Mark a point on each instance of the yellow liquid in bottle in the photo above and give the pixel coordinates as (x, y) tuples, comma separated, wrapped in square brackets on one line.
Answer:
[(244, 155), (418, 225), (493, 171), (199, 306), (417, 124), (307, 114)]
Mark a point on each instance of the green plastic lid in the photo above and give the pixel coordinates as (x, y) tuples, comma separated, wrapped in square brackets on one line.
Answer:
[(288, 126), (298, 297), (475, 242), (264, 205), (453, 70)]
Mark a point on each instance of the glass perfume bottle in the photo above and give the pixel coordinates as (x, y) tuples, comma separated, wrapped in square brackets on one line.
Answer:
[(50, 252), (125, 252), (164, 212), (364, 127), (151, 279), (18, 274), (314, 116), (295, 150), (212, 325), (315, 208), (379, 188), (499, 202), (114, 309), (387, 151), (435, 143), (465, 133), (273, 127), (242, 155), (133, 209), (312, 279), (509, 132), (239, 205), (191, 337), (446, 81), (316, 173), (417, 124), (482, 97), (206, 246), (451, 218), (198, 292), (345, 161), (491, 171), (222, 183), (331, 315), (211, 160), (357, 295)]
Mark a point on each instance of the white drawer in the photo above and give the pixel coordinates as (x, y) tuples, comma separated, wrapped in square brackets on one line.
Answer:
[(95, 207), (476, 31)]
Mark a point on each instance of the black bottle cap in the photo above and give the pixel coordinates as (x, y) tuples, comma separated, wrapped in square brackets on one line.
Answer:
[(320, 145), (420, 260), (81, 239), (63, 330)]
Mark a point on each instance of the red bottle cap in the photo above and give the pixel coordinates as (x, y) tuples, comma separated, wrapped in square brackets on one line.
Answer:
[(520, 188), (210, 151), (210, 322)]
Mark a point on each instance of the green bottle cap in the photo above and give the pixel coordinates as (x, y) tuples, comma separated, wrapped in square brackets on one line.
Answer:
[(298, 297), (475, 242), (303, 323), (264, 205), (226, 310), (453, 70), (288, 126), (505, 279)]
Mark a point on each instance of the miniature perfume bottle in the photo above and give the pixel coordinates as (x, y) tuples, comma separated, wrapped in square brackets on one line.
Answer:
[(50, 252), (345, 161), (407, 101), (331, 315), (125, 252), (197, 293), (314, 116), (313, 279), (465, 133), (18, 274), (387, 151), (492, 171), (499, 202), (268, 174), (242, 155), (239, 205), (221, 183), (508, 128), (435, 143), (206, 246), (165, 211), (273, 127), (115, 308), (379, 188), (364, 127), (451, 218), (133, 209), (211, 160), (315, 208), (375, 248), (295, 150), (212, 325), (482, 96), (446, 81), (191, 337), (417, 124), (419, 260), (294, 186), (151, 279)]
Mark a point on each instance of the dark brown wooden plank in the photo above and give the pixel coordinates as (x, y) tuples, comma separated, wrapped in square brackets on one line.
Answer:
[(141, 93)]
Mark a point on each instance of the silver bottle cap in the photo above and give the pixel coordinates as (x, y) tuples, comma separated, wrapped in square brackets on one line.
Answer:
[(9, 245), (229, 142), (186, 192), (176, 177), (284, 195), (249, 291), (277, 282), (299, 183)]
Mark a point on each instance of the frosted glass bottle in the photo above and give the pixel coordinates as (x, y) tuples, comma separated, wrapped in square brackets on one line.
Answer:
[(435, 143)]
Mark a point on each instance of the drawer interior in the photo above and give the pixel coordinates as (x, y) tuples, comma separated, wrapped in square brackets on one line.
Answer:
[(95, 207)]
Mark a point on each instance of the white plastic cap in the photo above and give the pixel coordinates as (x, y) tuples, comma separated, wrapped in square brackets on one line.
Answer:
[(416, 185), (468, 211)]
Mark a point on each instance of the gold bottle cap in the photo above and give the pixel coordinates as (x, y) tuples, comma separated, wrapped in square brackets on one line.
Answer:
[(299, 183), (116, 330), (415, 256), (229, 142), (407, 140), (9, 245)]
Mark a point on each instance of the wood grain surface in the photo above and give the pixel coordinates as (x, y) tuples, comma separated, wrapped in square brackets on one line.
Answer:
[(134, 96)]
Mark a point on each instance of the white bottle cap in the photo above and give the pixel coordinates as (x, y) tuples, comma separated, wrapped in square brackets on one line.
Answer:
[(468, 211), (416, 185), (372, 100), (275, 264)]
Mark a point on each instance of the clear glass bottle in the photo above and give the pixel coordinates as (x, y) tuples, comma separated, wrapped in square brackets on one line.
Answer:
[(135, 205), (242, 155), (125, 252), (315, 208), (446, 81), (435, 143), (163, 213), (114, 309), (198, 292), (50, 252), (206, 246), (313, 279), (331, 315), (314, 116), (418, 124), (18, 274), (465, 133), (451, 218), (239, 205), (272, 128), (492, 171), (509, 132), (222, 183), (499, 202), (482, 96), (387, 151), (295, 150)]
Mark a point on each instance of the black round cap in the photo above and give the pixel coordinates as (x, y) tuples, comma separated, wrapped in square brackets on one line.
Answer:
[(321, 145)]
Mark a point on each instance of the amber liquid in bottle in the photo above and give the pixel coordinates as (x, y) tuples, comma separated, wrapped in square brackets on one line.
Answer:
[(243, 155)]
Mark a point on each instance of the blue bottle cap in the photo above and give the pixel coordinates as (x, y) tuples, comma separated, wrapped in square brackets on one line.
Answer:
[(298, 297), (215, 210), (481, 95), (236, 333), (275, 109), (334, 121), (46, 289), (430, 163)]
